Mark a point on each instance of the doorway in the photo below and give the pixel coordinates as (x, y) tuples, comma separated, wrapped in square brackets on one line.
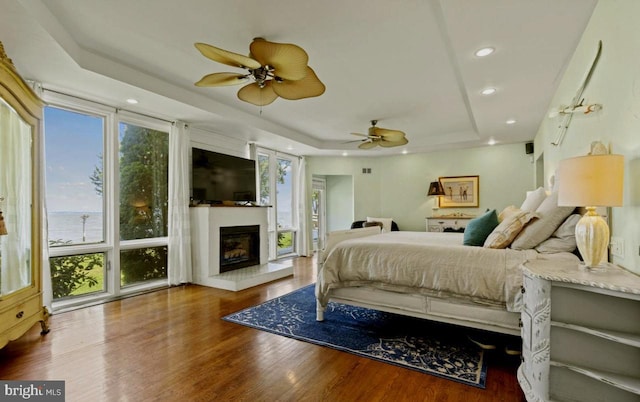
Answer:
[(318, 212)]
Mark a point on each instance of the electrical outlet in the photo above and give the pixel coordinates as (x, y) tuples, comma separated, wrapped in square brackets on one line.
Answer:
[(617, 246)]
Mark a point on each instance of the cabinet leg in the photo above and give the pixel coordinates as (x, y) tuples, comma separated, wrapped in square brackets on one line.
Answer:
[(44, 323)]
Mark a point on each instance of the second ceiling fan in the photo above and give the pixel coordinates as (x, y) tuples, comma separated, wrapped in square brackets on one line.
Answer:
[(382, 136)]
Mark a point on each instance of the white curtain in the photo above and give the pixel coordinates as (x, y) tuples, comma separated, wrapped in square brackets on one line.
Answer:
[(304, 245), (179, 264), (47, 289), (15, 189)]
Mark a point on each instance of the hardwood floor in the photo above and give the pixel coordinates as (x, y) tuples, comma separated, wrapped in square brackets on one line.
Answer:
[(171, 345)]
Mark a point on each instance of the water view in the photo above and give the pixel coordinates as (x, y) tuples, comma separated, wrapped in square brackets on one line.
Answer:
[(75, 227)]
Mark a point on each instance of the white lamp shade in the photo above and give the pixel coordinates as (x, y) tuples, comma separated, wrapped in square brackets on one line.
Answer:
[(592, 180)]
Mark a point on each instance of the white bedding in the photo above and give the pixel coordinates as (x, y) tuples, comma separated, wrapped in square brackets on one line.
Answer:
[(429, 263)]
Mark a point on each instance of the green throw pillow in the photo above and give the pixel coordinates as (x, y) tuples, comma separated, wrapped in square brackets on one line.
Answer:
[(478, 229)]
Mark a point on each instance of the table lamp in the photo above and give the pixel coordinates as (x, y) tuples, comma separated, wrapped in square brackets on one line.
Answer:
[(591, 181), (435, 188)]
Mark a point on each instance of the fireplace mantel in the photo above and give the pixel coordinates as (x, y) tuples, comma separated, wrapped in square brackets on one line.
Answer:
[(205, 247)]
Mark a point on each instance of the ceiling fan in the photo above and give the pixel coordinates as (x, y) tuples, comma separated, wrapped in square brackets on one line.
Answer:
[(277, 70), (381, 136)]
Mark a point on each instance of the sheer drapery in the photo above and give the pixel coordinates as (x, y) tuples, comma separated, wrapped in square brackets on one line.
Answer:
[(47, 289), (15, 188), (304, 245), (179, 264)]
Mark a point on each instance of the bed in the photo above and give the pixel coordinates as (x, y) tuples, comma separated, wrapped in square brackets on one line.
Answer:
[(425, 274)]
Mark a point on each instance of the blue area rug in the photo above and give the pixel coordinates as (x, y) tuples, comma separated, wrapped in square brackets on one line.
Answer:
[(429, 347)]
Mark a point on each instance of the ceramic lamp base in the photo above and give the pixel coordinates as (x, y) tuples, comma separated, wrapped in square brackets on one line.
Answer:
[(592, 237)]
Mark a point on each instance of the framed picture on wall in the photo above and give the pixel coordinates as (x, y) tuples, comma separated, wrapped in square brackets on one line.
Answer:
[(460, 192)]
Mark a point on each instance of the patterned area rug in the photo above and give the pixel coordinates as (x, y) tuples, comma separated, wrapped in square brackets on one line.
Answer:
[(437, 349)]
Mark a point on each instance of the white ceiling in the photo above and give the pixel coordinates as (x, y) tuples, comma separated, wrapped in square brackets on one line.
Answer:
[(408, 63)]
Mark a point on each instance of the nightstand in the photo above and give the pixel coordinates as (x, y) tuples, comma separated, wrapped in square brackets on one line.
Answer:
[(580, 333), (448, 223)]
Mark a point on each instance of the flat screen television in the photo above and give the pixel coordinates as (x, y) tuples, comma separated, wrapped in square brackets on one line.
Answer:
[(217, 177)]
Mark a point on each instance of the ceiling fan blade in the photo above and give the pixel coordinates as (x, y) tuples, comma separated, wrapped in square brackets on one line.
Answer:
[(226, 57), (252, 93), (390, 135), (222, 79), (368, 144), (389, 144), (289, 61), (361, 135), (307, 87)]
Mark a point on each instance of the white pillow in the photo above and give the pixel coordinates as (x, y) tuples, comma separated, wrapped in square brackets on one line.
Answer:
[(386, 222), (534, 199), (563, 239), (551, 217)]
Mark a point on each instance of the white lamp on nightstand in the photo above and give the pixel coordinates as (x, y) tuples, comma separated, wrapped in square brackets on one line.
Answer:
[(591, 181)]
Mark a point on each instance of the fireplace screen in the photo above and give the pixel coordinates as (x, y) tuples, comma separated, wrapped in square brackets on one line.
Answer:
[(239, 247)]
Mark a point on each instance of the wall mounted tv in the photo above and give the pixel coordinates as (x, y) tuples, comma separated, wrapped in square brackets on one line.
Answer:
[(218, 177)]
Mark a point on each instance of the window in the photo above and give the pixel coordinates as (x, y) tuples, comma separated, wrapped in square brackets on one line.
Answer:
[(277, 172), (107, 201), (144, 180)]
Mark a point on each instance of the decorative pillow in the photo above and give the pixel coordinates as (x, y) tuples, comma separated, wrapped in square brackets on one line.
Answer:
[(550, 217), (534, 199), (563, 239), (479, 228), (511, 209), (508, 229), (386, 222)]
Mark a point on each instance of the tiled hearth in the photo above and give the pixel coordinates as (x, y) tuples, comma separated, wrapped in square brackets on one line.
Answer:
[(205, 239), (251, 276)]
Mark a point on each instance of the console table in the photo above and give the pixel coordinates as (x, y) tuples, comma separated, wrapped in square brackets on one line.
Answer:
[(580, 333), (448, 223)]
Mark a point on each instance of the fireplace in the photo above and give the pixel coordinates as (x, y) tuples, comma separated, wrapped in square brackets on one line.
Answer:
[(239, 247)]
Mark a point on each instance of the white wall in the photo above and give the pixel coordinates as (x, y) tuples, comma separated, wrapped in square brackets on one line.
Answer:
[(217, 142), (616, 85), (397, 185)]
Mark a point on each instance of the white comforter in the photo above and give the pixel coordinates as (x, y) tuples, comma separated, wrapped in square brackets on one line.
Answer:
[(427, 263)]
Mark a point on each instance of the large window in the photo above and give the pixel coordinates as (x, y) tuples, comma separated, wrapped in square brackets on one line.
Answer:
[(277, 188), (144, 170), (107, 201)]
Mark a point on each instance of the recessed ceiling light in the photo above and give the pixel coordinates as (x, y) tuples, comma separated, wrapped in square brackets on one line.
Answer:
[(132, 101), (345, 153), (485, 51), (491, 141), (511, 121), (289, 147), (404, 152), (488, 91)]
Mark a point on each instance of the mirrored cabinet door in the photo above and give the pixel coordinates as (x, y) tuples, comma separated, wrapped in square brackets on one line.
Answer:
[(15, 201), (21, 302)]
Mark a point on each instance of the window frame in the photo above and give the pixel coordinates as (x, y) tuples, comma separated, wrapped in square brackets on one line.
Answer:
[(273, 229), (111, 245)]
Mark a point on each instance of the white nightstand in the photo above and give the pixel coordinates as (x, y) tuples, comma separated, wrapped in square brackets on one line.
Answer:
[(451, 223), (580, 333)]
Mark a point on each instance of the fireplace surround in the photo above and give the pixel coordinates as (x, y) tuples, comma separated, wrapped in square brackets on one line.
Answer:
[(206, 223)]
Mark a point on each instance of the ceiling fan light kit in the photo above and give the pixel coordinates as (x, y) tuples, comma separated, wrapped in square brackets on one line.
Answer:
[(276, 69)]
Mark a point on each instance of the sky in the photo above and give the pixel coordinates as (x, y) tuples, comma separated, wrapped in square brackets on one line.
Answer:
[(73, 145)]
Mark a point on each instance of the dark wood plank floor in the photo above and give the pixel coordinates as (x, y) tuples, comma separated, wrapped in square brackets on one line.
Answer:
[(171, 345)]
